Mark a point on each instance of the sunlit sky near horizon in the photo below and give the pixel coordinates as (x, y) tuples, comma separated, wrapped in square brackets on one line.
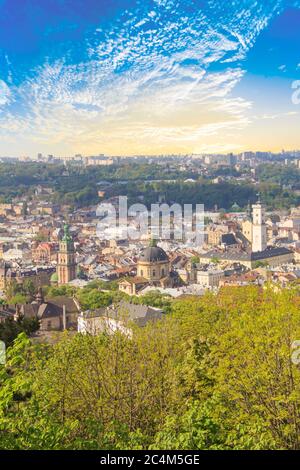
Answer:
[(148, 76)]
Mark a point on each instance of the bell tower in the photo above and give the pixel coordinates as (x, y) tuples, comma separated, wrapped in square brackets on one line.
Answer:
[(66, 266), (259, 230)]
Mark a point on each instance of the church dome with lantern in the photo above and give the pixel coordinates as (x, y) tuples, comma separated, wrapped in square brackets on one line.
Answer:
[(153, 263)]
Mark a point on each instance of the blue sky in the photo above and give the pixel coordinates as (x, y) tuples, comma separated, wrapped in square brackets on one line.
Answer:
[(151, 76)]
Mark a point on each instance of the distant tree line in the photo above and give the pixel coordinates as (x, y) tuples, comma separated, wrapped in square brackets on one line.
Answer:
[(78, 186)]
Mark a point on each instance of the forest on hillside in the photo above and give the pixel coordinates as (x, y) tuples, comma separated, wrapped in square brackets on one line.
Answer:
[(78, 186), (215, 373)]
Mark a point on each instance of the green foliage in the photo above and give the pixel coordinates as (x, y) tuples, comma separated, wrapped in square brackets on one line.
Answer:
[(99, 294), (20, 293), (28, 287), (93, 298), (105, 285), (18, 298), (195, 429), (260, 264), (57, 291), (279, 174), (78, 185), (154, 299), (40, 237), (215, 373), (274, 179), (223, 195), (10, 329)]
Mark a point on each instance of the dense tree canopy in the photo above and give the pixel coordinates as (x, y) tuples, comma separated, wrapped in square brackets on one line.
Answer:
[(215, 373), (77, 186)]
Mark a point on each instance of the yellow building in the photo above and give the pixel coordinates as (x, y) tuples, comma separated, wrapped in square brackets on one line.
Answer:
[(247, 230)]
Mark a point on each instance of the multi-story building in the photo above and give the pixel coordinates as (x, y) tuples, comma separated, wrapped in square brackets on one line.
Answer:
[(44, 253), (209, 279), (40, 276)]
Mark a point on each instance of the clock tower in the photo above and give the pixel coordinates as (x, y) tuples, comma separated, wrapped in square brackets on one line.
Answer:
[(259, 229), (66, 266)]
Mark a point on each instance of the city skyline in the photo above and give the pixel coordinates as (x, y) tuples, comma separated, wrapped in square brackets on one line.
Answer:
[(151, 77)]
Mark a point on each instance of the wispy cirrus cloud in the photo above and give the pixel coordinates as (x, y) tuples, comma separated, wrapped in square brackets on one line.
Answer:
[(158, 77), (5, 94)]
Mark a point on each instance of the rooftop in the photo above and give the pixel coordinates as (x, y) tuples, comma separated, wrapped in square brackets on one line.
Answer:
[(257, 256)]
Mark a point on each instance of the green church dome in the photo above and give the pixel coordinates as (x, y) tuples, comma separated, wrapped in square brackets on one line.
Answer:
[(54, 277)]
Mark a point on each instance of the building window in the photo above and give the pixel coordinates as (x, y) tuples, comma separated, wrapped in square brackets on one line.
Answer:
[(142, 273), (153, 273), (162, 272)]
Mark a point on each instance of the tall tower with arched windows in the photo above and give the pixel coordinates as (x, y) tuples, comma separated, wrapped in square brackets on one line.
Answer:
[(259, 229), (66, 265)]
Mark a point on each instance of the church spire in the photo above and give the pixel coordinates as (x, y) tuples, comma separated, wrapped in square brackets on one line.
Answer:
[(67, 236), (259, 229), (66, 266)]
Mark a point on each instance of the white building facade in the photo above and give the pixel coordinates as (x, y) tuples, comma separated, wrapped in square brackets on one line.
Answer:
[(259, 228)]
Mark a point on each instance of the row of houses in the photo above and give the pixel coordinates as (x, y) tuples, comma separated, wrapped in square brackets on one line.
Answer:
[(64, 313)]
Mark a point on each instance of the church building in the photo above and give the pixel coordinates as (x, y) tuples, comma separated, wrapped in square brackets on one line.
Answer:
[(153, 269), (66, 263), (259, 229), (153, 264), (260, 252)]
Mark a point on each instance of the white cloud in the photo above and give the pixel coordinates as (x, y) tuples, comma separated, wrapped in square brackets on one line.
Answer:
[(5, 93), (141, 84), (278, 115)]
